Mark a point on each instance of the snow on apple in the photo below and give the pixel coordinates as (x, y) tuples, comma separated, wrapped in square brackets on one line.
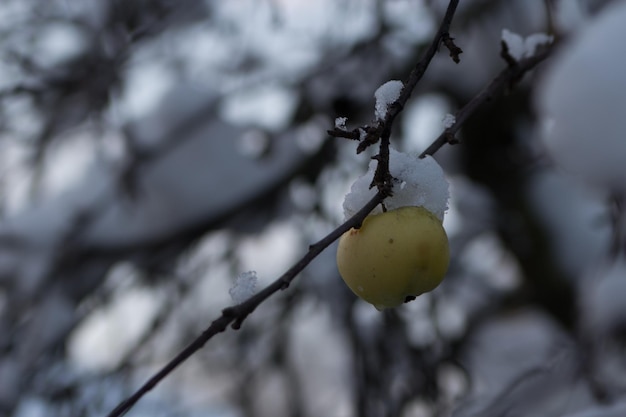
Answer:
[(418, 182)]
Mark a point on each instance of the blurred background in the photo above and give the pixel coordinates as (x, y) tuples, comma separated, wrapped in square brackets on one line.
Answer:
[(153, 150)]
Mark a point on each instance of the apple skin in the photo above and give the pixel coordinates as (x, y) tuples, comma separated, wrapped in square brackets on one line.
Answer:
[(394, 255)]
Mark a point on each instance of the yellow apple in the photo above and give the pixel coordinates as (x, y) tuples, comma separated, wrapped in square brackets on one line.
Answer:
[(394, 255)]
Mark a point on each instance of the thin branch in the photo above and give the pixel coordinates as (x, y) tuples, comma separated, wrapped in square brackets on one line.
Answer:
[(420, 69), (504, 81), (383, 129), (235, 315), (346, 134), (382, 176)]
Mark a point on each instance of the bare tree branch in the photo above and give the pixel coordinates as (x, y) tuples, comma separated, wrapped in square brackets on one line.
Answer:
[(503, 81), (235, 315)]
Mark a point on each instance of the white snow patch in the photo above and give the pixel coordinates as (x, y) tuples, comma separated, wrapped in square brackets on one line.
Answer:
[(532, 42), (420, 182), (520, 47), (340, 122), (448, 120), (582, 106), (385, 95), (244, 288)]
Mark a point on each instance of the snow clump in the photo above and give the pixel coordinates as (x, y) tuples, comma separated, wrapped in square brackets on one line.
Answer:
[(340, 123), (582, 101), (244, 288), (385, 95), (417, 182), (448, 121)]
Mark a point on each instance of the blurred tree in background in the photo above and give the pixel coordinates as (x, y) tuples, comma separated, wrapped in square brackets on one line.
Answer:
[(153, 150)]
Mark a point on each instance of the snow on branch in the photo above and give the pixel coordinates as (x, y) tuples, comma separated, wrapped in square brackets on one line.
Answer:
[(245, 287), (386, 95)]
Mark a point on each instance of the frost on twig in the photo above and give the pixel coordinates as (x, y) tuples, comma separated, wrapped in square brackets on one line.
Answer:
[(340, 123), (448, 121), (516, 48), (244, 288), (386, 95)]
